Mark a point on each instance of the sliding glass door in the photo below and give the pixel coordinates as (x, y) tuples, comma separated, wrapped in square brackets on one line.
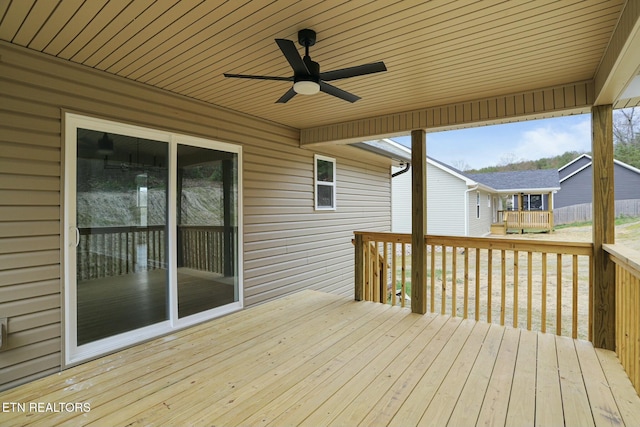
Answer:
[(121, 218), (206, 229), (153, 241)]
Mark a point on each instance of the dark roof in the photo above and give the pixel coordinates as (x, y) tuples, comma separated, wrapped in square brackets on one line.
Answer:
[(519, 180)]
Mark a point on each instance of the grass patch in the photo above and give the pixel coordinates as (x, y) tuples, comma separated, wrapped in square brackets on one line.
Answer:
[(619, 221)]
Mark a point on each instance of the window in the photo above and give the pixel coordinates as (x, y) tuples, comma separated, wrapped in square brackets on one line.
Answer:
[(488, 200), (325, 183), (478, 205), (532, 202)]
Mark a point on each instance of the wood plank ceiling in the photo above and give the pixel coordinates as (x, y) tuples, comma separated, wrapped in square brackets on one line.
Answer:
[(436, 52)]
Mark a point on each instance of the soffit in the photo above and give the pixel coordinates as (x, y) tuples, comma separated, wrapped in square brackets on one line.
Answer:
[(436, 52)]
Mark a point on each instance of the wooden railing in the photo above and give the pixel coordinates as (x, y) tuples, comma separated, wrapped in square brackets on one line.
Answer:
[(113, 251), (544, 286), (627, 263), (526, 220)]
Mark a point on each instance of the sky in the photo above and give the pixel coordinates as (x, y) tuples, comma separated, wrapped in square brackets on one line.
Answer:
[(490, 145)]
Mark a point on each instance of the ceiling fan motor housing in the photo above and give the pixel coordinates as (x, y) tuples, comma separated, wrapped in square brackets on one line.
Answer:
[(307, 37)]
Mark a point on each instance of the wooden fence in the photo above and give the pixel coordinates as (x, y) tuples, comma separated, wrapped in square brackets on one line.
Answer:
[(627, 263), (543, 286), (113, 251), (583, 212)]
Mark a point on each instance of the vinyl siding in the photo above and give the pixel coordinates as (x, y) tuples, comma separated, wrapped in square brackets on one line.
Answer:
[(288, 246), (577, 164), (445, 202), (479, 227), (577, 189)]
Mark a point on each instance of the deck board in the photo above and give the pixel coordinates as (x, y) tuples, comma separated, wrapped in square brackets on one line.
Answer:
[(319, 359)]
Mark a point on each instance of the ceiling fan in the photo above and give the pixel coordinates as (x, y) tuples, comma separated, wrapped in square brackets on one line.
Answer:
[(307, 78)]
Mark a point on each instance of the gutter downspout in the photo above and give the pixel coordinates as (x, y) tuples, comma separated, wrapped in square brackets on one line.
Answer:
[(466, 209), (393, 175), (406, 169)]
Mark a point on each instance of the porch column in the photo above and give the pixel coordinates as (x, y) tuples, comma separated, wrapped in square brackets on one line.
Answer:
[(550, 209), (419, 221), (603, 227)]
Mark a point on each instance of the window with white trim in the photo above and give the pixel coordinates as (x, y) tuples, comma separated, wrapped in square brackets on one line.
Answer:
[(478, 205), (325, 182)]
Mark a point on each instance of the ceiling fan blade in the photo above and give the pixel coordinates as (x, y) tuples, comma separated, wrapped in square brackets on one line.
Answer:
[(358, 70), (342, 94), (287, 96), (246, 76), (290, 52)]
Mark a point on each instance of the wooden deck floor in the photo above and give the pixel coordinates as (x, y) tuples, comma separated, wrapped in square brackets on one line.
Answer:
[(316, 359)]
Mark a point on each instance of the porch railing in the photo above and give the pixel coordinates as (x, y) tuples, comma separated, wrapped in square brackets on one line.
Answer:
[(627, 262), (544, 286), (526, 220), (113, 251)]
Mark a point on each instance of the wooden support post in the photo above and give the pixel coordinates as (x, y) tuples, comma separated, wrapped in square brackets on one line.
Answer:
[(603, 227), (359, 265), (550, 209), (419, 221)]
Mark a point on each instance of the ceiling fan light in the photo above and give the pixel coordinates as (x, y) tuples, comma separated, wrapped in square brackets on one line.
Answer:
[(305, 87), (105, 145)]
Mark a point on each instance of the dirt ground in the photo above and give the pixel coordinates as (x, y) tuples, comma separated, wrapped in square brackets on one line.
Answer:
[(626, 234), (513, 300)]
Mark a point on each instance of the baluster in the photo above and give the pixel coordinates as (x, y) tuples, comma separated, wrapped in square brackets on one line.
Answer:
[(384, 284), (454, 280), (503, 296), (403, 284), (376, 272), (433, 277), (444, 280), (543, 326), (529, 288), (574, 328), (559, 295), (477, 296), (394, 282), (466, 283), (489, 282), (516, 272)]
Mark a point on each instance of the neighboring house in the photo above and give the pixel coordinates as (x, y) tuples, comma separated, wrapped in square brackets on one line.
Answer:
[(576, 181), (524, 190), (456, 204), (462, 204)]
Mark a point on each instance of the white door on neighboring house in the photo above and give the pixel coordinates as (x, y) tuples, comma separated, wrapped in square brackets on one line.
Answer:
[(152, 238)]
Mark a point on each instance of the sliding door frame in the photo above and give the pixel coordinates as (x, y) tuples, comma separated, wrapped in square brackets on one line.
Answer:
[(74, 354)]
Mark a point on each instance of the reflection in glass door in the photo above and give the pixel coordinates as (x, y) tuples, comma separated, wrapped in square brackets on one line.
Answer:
[(206, 229), (121, 217), (153, 239)]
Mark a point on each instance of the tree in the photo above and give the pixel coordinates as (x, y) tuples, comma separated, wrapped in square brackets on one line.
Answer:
[(626, 135)]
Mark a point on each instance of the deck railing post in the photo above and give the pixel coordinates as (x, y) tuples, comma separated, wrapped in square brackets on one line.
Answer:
[(359, 267)]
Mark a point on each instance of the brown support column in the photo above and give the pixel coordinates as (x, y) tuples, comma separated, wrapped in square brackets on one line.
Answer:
[(419, 221), (603, 227)]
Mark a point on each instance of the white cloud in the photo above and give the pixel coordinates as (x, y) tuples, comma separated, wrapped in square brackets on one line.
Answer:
[(553, 140)]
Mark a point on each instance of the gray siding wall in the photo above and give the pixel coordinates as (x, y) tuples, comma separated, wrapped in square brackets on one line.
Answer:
[(445, 203), (288, 246), (578, 188), (576, 165)]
